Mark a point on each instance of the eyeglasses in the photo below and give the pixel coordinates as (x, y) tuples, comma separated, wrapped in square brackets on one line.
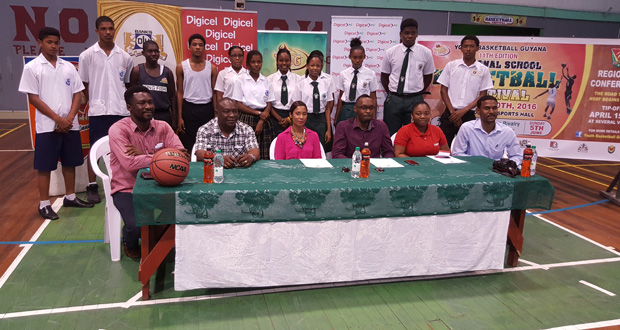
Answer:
[(366, 108)]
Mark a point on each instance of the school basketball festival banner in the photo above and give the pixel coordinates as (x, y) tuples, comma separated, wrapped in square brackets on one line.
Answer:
[(299, 43), (561, 95), (377, 35)]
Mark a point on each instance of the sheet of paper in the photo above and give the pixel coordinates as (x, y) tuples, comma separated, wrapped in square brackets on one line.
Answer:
[(385, 162), (444, 159), (316, 163)]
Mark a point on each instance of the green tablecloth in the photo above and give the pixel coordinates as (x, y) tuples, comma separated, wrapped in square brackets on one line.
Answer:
[(286, 190)]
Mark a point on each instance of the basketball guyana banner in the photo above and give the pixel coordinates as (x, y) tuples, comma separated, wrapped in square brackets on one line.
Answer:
[(562, 95)]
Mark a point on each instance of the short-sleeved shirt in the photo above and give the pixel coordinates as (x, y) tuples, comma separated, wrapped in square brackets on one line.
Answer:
[(275, 83), (420, 64), (366, 82), (55, 86), (473, 140), (417, 144), (125, 168), (239, 142), (305, 92), (465, 82), (225, 80), (253, 94), (106, 77)]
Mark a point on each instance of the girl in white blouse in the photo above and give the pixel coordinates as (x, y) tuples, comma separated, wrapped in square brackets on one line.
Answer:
[(283, 84)]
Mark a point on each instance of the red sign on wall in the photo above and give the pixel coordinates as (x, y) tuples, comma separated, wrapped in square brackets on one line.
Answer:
[(221, 29)]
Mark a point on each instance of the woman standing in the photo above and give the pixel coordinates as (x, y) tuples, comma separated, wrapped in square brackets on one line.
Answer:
[(420, 138), (251, 91), (355, 81), (316, 90), (226, 77), (283, 84), (297, 142)]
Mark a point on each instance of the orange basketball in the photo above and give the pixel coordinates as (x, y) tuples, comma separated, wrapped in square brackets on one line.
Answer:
[(169, 167)]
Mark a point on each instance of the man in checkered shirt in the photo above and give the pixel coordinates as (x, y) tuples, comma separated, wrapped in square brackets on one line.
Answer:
[(225, 132)]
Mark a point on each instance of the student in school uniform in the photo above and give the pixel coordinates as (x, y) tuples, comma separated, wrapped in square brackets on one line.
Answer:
[(160, 82), (355, 81), (226, 77), (53, 86), (251, 91), (283, 84), (104, 70), (406, 72), (195, 80), (317, 92)]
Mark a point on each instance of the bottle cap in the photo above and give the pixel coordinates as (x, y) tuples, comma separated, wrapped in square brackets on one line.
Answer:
[(528, 145), (533, 147), (357, 148), (218, 151), (365, 144)]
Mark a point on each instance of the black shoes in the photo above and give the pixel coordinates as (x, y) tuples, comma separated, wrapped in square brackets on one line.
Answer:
[(92, 194), (75, 203), (48, 213), (132, 253)]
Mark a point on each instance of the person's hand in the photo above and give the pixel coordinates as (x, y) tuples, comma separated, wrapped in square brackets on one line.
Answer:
[(186, 153), (181, 126), (283, 122), (259, 127), (63, 125), (229, 161), (245, 160), (328, 136), (458, 123), (457, 115), (132, 150), (264, 115)]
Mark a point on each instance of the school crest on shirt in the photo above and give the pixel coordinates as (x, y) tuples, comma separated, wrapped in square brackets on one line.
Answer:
[(68, 81), (133, 42), (420, 66)]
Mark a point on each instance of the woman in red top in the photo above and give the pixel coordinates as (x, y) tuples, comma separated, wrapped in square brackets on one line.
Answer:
[(419, 138)]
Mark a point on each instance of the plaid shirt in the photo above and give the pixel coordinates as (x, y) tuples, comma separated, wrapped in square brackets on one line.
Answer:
[(239, 142)]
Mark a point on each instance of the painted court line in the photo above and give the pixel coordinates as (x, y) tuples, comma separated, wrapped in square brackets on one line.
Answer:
[(571, 207), (609, 293), (14, 129), (533, 264), (51, 242), (578, 167), (593, 325)]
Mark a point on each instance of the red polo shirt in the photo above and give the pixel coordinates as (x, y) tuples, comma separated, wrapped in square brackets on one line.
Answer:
[(417, 144)]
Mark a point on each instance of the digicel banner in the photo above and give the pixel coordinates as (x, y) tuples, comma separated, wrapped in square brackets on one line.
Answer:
[(221, 29), (549, 90)]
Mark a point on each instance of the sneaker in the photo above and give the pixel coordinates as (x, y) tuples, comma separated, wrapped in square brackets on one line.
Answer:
[(92, 194), (131, 253), (48, 213), (75, 203)]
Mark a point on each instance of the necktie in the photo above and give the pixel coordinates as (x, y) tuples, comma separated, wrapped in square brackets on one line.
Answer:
[(353, 88), (284, 92), (316, 100), (403, 73)]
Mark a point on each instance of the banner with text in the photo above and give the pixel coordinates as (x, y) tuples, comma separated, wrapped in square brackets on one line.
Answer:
[(300, 44), (561, 95), (377, 35), (221, 29)]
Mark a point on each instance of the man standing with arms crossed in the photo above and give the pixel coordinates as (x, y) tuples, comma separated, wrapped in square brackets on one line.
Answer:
[(104, 70), (463, 82), (406, 73)]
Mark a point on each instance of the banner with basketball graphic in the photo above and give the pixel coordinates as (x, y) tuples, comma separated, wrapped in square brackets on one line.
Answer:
[(221, 29), (561, 95), (377, 34), (299, 43)]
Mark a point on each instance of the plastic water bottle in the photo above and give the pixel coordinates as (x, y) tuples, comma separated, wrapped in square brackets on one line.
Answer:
[(218, 167), (208, 166), (527, 161), (365, 168), (356, 163), (534, 159)]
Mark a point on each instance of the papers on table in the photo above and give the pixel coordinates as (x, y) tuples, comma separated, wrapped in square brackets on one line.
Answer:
[(385, 162), (446, 159), (316, 163)]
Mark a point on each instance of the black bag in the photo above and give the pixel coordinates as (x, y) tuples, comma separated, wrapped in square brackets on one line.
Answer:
[(506, 167)]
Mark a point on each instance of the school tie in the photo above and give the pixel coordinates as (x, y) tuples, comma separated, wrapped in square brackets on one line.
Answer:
[(403, 73), (353, 88), (284, 92), (316, 101)]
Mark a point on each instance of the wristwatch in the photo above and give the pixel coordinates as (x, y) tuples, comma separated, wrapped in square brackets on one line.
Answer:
[(259, 112)]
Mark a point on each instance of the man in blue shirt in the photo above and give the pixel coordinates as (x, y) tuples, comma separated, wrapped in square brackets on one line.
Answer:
[(485, 137)]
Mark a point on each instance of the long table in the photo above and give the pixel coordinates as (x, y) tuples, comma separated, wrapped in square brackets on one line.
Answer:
[(286, 193)]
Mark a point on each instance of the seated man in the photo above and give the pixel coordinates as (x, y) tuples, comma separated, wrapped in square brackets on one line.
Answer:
[(225, 132), (485, 137), (133, 141), (362, 128)]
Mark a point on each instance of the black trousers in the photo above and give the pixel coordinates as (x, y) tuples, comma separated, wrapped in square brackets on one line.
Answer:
[(449, 130)]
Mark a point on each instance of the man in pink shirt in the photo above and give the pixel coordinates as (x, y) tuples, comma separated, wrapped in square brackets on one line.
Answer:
[(133, 141)]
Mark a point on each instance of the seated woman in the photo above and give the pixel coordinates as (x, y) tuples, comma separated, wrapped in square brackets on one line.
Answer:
[(419, 138), (297, 141)]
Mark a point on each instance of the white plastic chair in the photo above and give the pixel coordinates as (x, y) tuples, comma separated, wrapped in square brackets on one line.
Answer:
[(101, 150), (393, 137), (272, 150), (193, 157)]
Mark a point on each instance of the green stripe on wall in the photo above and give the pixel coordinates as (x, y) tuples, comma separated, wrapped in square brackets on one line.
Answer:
[(466, 7)]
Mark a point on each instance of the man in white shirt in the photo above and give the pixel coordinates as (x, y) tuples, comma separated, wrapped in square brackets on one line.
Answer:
[(104, 69), (462, 83), (406, 73), (486, 137)]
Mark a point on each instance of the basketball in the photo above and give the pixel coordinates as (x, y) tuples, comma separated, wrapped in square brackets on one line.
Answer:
[(169, 167)]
